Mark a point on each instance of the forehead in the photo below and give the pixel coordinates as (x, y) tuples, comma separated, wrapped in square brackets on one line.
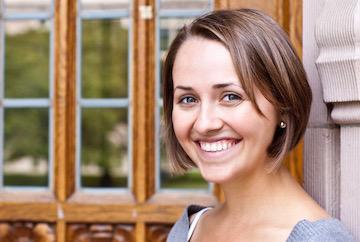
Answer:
[(200, 61)]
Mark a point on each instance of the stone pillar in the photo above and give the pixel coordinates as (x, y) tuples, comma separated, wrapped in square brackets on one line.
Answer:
[(332, 142), (322, 138)]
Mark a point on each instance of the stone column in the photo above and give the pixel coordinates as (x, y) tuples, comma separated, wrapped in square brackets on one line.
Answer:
[(332, 141)]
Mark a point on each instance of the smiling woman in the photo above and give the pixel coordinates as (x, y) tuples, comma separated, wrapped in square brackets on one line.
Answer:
[(236, 101), (215, 122)]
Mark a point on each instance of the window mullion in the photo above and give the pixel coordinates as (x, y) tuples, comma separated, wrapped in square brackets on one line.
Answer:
[(64, 99), (143, 103)]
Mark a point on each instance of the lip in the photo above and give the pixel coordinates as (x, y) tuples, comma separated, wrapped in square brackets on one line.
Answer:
[(213, 156), (215, 139)]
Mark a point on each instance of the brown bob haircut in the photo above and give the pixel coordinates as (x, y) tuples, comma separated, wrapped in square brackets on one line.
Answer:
[(264, 59)]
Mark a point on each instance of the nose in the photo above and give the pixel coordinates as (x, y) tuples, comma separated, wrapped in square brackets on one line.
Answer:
[(208, 120)]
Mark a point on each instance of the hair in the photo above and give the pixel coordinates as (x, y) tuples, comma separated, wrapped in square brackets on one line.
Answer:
[(263, 58)]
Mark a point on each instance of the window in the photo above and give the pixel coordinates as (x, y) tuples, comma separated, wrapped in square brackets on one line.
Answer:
[(103, 68), (26, 113)]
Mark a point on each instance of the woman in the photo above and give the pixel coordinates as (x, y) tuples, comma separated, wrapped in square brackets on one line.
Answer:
[(236, 101)]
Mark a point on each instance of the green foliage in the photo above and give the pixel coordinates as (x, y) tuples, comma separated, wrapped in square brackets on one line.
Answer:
[(98, 126), (25, 180), (96, 181), (104, 59), (27, 64), (104, 75), (26, 134), (26, 76)]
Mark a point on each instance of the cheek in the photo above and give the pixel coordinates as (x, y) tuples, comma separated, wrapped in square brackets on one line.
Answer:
[(252, 126), (180, 124), (243, 120)]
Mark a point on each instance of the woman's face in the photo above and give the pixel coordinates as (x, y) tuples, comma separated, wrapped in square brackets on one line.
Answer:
[(214, 121)]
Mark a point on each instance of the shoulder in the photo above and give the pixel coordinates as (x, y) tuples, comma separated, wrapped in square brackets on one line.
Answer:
[(179, 231), (331, 230)]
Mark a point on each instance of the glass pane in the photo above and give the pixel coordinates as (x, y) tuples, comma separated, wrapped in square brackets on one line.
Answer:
[(184, 4), (191, 180), (27, 59), (169, 27), (104, 5), (105, 58), (26, 147), (104, 139), (26, 6)]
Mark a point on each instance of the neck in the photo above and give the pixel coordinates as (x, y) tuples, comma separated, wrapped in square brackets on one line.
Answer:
[(260, 197)]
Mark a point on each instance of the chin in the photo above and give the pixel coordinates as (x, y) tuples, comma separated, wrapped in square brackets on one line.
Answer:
[(218, 176), (217, 180)]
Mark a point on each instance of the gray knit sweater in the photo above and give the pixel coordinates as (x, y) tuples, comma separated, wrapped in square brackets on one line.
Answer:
[(326, 230)]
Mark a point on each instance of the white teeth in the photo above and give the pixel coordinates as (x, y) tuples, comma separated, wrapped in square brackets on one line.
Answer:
[(216, 146)]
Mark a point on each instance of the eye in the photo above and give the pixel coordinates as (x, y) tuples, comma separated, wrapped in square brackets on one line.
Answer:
[(187, 100), (231, 97)]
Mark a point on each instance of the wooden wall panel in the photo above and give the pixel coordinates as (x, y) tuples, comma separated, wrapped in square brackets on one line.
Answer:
[(100, 233), (295, 25), (221, 4), (26, 231), (158, 233)]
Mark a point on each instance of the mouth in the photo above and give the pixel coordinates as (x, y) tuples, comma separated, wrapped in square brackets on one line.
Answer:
[(217, 146)]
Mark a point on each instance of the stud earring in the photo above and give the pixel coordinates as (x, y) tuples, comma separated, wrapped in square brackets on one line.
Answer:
[(282, 125)]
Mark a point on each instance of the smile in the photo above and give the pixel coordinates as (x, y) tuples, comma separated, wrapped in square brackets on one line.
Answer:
[(217, 146)]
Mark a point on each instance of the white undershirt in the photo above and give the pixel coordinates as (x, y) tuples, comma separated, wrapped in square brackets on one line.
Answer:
[(195, 222)]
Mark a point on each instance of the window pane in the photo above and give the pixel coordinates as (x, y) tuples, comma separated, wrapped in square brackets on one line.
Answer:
[(104, 5), (26, 147), (184, 4), (191, 180), (105, 58), (104, 139), (25, 6), (27, 59), (169, 27)]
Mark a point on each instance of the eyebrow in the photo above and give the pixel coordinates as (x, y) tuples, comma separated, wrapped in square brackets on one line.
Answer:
[(216, 86)]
